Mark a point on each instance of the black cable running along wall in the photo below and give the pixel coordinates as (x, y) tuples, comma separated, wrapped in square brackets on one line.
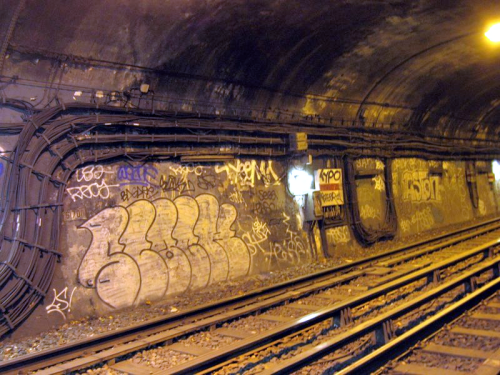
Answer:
[(471, 178), (55, 141), (367, 236)]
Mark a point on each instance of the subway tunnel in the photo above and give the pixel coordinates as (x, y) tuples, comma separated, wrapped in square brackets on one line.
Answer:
[(152, 151)]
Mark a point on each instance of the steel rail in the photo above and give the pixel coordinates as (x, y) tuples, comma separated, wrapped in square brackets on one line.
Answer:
[(335, 311), (399, 345), (74, 349), (319, 351)]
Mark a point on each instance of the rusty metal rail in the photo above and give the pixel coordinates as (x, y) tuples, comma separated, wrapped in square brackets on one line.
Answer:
[(336, 312), (205, 316), (380, 323), (401, 344)]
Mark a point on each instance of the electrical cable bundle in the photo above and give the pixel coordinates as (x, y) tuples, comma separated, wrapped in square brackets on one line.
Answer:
[(471, 178), (365, 235)]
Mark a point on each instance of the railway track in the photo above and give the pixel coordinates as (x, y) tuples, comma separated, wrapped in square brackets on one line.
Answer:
[(331, 357), (55, 141), (329, 296), (374, 318), (467, 344)]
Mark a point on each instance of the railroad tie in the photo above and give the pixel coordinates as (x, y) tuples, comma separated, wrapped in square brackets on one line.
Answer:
[(132, 368), (192, 350), (475, 332), (491, 365), (400, 272), (328, 299), (73, 365), (456, 351), (274, 318), (378, 271), (495, 305), (481, 316), (301, 306), (234, 333), (413, 369)]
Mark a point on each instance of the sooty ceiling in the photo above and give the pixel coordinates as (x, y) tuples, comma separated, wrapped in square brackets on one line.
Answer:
[(418, 64)]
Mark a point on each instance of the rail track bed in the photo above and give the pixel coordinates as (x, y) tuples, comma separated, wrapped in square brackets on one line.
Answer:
[(468, 345), (273, 329), (375, 318)]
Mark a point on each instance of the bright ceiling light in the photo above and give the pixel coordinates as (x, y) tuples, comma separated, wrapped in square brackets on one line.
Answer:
[(493, 33)]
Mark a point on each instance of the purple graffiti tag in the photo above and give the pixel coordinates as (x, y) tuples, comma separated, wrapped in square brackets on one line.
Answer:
[(143, 175)]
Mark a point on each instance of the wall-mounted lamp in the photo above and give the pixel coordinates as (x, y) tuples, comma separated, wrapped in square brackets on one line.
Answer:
[(144, 88), (300, 181), (495, 165)]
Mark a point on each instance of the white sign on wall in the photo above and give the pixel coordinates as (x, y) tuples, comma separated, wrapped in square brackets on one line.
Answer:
[(329, 183)]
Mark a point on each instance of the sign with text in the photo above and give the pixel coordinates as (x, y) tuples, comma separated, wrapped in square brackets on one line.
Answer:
[(298, 141), (329, 183)]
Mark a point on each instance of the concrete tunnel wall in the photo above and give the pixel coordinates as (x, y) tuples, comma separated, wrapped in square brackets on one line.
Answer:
[(428, 195), (134, 233), (398, 79), (204, 224)]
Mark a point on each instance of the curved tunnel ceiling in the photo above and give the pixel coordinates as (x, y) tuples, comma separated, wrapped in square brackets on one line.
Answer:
[(419, 65)]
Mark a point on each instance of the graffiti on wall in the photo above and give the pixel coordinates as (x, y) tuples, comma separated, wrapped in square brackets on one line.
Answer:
[(426, 200), (369, 212), (144, 175), (291, 249), (237, 197), (61, 303), (138, 192), (93, 184), (378, 182), (142, 232), (154, 248), (368, 164), (247, 173), (419, 186), (72, 215), (421, 220), (338, 235)]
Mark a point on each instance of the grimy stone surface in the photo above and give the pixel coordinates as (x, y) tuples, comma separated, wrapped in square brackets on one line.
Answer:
[(133, 233), (137, 233)]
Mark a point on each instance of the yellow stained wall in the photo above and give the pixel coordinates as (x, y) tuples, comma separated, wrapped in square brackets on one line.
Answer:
[(428, 195)]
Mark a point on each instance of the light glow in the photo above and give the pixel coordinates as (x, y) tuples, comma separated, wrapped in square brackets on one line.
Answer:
[(496, 169), (299, 182), (493, 33), (308, 317)]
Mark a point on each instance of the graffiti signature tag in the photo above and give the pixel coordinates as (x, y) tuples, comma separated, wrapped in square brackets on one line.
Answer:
[(144, 175), (61, 303)]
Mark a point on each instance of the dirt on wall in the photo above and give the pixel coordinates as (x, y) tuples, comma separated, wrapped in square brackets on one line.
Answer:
[(428, 195), (134, 233)]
